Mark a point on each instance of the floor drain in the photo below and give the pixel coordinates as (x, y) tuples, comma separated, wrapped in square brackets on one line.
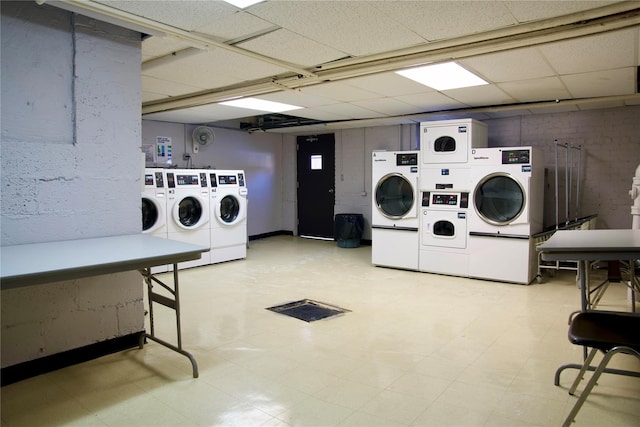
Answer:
[(308, 310)]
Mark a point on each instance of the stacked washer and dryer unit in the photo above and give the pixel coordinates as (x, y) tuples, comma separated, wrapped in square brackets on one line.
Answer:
[(191, 205), (445, 186), (466, 210)]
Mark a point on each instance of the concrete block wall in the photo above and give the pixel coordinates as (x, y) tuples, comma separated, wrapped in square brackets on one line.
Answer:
[(71, 168), (610, 147)]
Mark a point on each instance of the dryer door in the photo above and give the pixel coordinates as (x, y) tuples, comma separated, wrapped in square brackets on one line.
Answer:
[(190, 213), (395, 196), (444, 144), (446, 229), (499, 199)]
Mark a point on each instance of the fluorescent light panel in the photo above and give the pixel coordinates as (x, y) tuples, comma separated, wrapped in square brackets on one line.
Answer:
[(448, 75), (243, 3), (260, 105)]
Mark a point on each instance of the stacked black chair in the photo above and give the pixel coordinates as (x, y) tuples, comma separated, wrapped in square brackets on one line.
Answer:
[(605, 331)]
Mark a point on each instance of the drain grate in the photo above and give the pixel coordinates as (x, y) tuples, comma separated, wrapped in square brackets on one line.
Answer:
[(308, 310)]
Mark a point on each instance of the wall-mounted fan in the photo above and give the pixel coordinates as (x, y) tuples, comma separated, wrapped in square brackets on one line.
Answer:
[(201, 137)]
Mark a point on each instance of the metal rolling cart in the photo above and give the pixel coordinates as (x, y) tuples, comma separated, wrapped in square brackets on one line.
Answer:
[(572, 220)]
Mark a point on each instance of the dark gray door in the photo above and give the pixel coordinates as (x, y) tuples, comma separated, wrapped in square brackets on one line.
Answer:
[(316, 185)]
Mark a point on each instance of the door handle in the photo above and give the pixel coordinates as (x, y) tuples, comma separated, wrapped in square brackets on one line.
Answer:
[(331, 190)]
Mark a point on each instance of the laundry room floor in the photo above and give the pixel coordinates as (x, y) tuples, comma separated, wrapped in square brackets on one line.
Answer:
[(414, 349)]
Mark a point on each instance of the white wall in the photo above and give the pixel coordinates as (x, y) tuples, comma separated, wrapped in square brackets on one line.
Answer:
[(70, 169)]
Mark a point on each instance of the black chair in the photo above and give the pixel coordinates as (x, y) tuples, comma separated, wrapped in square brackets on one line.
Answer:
[(609, 332)]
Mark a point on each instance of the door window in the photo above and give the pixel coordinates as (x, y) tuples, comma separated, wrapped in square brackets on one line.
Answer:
[(394, 196), (189, 211), (499, 199), (149, 214), (444, 229), (229, 209)]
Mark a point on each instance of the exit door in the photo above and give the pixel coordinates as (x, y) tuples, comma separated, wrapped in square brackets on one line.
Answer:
[(316, 185)]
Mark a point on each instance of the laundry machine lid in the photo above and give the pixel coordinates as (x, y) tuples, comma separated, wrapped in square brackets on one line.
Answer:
[(499, 199), (394, 196)]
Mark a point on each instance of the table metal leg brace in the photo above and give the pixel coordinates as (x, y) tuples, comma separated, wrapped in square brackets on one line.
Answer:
[(170, 303)]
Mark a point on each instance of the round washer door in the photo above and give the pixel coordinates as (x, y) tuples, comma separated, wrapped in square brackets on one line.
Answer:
[(152, 215), (499, 199), (394, 196), (230, 209), (189, 213)]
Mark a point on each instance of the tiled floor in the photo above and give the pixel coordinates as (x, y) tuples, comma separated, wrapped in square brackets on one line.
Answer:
[(415, 350)]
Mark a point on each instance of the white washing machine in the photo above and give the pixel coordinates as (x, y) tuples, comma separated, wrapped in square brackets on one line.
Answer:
[(228, 215), (188, 210), (450, 141), (394, 220), (443, 233), (507, 200), (154, 207)]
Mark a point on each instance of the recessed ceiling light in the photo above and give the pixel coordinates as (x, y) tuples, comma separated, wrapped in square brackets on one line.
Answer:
[(448, 75), (243, 3), (260, 105)]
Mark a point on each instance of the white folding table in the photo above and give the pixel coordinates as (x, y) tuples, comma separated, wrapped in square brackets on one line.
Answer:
[(40, 263)]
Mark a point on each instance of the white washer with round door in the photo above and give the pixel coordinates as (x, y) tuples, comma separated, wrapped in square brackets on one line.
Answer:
[(188, 210), (154, 207), (228, 215), (507, 199), (394, 219), (443, 233)]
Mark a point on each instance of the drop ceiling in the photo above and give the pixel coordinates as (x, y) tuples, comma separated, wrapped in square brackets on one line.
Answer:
[(337, 58)]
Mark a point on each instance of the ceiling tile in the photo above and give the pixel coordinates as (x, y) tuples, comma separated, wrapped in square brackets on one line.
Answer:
[(340, 91), (288, 46), (387, 84), (188, 15), (297, 97), (477, 96), (234, 26), (386, 106), (353, 27), (518, 64), (321, 113), (526, 11), (602, 83), (350, 111), (544, 89), (214, 68), (431, 101), (166, 87), (153, 47), (438, 20), (606, 51), (200, 114)]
